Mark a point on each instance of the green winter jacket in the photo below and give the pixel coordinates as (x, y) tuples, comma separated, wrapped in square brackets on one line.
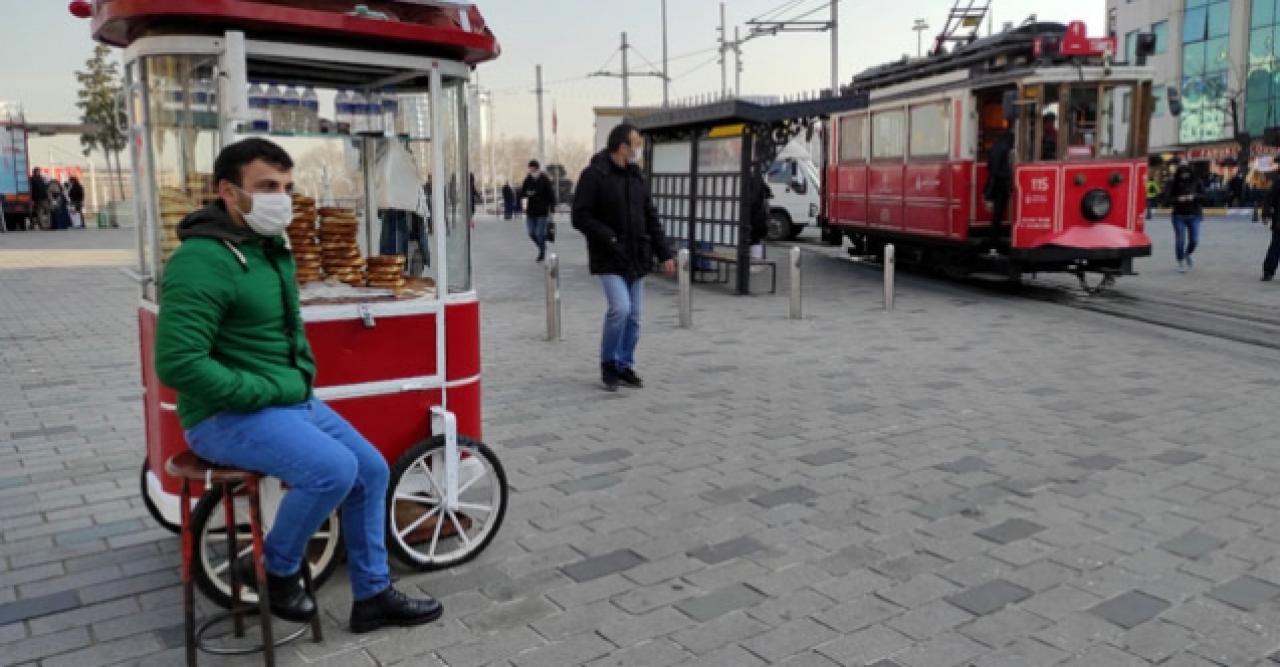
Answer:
[(230, 334)]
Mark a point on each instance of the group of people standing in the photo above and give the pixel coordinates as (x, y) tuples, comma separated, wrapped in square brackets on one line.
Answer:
[(56, 205)]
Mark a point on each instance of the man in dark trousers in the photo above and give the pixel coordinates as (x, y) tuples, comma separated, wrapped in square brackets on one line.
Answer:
[(230, 341), (612, 208), (537, 189), (1271, 209), (1186, 194), (39, 200), (999, 180)]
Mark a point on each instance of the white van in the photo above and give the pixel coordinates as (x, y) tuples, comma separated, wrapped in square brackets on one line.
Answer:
[(796, 187)]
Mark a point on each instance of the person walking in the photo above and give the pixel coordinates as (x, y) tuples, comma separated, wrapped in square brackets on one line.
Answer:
[(230, 341), (1271, 209), (537, 190), (508, 201), (1185, 194), (39, 200), (59, 207), (613, 210), (1153, 195), (75, 192)]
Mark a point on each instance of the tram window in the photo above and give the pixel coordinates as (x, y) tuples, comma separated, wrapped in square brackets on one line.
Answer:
[(853, 138), (929, 130), (1116, 121), (888, 134)]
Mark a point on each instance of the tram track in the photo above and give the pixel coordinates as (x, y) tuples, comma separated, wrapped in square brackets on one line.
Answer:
[(1245, 323)]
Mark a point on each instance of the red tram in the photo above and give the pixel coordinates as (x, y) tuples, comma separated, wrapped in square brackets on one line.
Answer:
[(911, 167)]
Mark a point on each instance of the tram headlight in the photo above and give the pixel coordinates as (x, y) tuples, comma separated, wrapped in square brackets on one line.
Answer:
[(1096, 205)]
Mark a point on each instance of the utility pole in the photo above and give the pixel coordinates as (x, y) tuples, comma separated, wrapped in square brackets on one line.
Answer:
[(835, 48), (626, 75), (542, 146), (666, 78), (626, 89), (737, 63), (724, 81)]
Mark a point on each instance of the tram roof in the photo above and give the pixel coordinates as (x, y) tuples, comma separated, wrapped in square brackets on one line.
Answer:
[(753, 112), (1017, 46)]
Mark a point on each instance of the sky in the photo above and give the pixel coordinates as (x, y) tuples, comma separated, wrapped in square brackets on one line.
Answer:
[(570, 39)]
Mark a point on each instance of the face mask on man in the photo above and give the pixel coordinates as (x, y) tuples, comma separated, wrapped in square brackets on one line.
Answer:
[(270, 214), (633, 155)]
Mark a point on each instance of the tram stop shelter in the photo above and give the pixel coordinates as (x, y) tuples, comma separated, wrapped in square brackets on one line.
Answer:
[(701, 160)]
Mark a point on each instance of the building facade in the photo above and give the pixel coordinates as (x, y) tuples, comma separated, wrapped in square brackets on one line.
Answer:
[(1224, 58)]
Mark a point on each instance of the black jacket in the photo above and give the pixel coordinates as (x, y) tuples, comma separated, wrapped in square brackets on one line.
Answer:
[(612, 208), (540, 194), (1271, 203), (1000, 169), (1185, 193)]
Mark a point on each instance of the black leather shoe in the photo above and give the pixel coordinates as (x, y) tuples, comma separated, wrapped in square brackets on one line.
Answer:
[(391, 607), (609, 375), (629, 378), (289, 600)]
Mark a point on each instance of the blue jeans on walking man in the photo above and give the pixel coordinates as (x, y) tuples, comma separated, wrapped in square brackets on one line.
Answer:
[(325, 463), (537, 227), (1186, 231), (621, 320)]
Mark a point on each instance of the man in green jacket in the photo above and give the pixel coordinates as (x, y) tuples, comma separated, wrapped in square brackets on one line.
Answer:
[(230, 341)]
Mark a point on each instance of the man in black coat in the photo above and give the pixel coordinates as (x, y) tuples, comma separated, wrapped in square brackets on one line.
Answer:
[(1271, 210), (39, 200), (612, 208), (999, 180), (537, 189)]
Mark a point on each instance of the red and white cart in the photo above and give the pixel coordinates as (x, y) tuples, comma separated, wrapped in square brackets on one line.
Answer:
[(401, 363)]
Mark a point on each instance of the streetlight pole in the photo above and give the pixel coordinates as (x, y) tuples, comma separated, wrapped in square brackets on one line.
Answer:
[(920, 26), (666, 79)]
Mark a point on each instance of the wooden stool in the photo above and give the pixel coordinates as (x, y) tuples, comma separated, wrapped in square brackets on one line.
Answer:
[(189, 467)]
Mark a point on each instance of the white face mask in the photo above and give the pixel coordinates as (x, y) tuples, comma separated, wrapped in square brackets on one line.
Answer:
[(270, 214), (634, 155)]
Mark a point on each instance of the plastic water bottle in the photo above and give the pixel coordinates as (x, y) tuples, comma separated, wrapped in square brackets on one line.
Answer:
[(311, 109), (275, 109), (342, 112), (292, 110), (375, 113), (359, 113), (390, 115), (259, 108)]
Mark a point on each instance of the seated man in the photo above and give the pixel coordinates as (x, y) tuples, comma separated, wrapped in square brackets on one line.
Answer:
[(230, 341)]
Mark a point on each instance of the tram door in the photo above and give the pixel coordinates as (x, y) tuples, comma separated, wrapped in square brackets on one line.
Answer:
[(991, 124)]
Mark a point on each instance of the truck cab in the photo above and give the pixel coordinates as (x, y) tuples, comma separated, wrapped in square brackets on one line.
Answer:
[(796, 192)]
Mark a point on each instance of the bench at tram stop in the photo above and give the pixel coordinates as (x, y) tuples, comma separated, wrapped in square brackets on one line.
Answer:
[(706, 257)]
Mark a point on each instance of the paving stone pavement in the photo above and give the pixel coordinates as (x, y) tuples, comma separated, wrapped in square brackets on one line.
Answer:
[(973, 479)]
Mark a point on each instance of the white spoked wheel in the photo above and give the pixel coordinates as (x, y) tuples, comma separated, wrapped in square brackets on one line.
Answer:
[(212, 566), (422, 530)]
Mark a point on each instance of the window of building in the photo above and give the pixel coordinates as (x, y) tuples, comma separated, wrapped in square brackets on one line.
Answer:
[(929, 130), (888, 134), (1161, 31), (853, 138), (1262, 87), (1157, 100), (1206, 59), (1130, 45)]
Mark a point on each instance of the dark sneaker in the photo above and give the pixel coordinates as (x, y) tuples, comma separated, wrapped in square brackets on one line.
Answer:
[(391, 607), (289, 600), (609, 375), (541, 256), (629, 378)]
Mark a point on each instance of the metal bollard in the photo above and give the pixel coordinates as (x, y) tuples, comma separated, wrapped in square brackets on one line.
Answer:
[(684, 278), (553, 297), (889, 262), (795, 283)]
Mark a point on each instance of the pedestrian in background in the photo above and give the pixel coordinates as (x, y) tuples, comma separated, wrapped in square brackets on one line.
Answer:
[(1270, 209), (75, 193), (537, 190), (39, 200), (1185, 194), (612, 208), (508, 201), (59, 207), (1153, 195)]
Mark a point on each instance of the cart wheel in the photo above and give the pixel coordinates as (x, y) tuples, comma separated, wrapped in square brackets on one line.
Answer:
[(150, 503), (211, 566), (424, 535)]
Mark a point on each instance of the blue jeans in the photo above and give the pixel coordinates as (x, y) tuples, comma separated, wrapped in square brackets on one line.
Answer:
[(1186, 231), (396, 227), (621, 320), (537, 228), (325, 463)]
